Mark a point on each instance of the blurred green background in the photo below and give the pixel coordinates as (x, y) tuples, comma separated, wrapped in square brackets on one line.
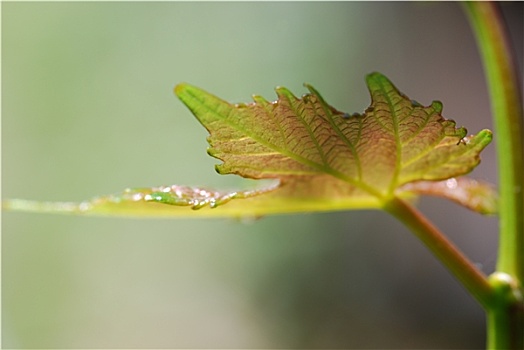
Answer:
[(88, 109)]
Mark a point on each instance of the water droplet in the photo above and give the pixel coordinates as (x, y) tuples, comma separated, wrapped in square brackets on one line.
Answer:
[(137, 196), (451, 183), (84, 206)]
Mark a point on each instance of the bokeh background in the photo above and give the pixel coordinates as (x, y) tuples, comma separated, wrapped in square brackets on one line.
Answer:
[(88, 109)]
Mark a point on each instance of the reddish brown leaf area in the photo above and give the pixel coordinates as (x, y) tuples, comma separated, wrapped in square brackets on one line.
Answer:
[(394, 142)]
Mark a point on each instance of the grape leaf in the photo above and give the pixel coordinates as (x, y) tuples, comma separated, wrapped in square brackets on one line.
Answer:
[(392, 143), (321, 158)]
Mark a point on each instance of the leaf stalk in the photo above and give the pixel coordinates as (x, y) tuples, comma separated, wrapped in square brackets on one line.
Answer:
[(459, 265)]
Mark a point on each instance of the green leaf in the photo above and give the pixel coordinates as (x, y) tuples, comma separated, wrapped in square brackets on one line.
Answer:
[(323, 159)]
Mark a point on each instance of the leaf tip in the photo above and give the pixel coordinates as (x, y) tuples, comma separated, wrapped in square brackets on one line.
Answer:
[(284, 92), (180, 88), (378, 83), (486, 136), (437, 106), (486, 133), (376, 77), (311, 89), (259, 99)]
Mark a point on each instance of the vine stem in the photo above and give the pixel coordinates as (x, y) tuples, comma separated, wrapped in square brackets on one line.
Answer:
[(459, 265), (507, 112), (506, 316)]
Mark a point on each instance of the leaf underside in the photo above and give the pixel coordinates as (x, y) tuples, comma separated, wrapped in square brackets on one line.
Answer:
[(322, 159)]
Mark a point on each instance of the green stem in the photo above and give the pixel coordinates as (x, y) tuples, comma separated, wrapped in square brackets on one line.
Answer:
[(459, 265), (506, 314), (507, 113)]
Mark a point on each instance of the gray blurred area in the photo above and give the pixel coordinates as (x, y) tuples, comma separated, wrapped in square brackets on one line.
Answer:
[(88, 109)]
